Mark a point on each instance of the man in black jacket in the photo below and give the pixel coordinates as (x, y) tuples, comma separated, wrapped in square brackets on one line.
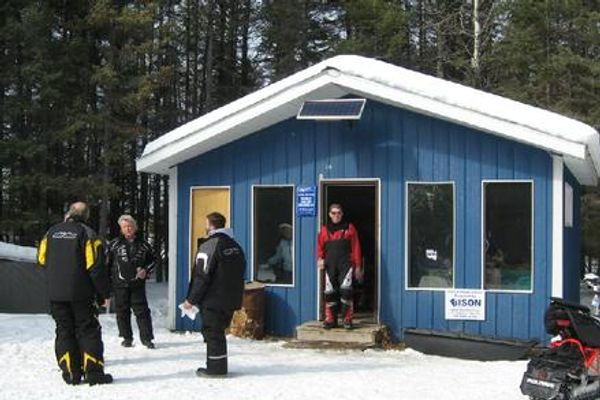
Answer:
[(73, 258), (217, 287), (130, 261)]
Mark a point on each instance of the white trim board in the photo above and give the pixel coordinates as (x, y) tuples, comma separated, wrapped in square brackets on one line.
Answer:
[(173, 217), (557, 226), (342, 75)]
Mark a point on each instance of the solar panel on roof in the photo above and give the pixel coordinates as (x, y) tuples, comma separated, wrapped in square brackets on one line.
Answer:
[(334, 109)]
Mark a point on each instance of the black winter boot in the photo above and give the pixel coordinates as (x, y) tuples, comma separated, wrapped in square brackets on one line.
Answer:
[(98, 378)]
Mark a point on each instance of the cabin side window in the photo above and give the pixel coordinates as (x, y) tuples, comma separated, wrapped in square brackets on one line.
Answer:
[(508, 235), (273, 234), (430, 235)]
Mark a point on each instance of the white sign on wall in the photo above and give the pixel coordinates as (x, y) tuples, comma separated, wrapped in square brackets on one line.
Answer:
[(465, 304)]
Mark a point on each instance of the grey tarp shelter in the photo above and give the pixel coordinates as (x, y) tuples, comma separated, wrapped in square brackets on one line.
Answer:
[(23, 287)]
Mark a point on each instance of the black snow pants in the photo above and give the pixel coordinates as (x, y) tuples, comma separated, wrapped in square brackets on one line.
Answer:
[(133, 298), (78, 346), (214, 324), (338, 280)]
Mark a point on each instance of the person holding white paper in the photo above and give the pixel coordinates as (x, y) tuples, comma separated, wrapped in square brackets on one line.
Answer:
[(216, 287)]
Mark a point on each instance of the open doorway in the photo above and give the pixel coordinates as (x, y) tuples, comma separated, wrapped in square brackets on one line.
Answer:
[(360, 200)]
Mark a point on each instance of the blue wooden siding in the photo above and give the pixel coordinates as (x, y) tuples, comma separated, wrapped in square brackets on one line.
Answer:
[(572, 244), (395, 145)]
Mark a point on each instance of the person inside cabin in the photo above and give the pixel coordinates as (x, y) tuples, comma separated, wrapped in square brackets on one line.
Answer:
[(339, 254), (281, 261)]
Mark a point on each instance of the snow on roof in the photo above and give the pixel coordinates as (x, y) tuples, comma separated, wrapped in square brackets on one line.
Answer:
[(577, 142), (17, 253)]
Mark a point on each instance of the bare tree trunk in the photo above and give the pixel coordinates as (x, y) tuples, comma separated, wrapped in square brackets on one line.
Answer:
[(103, 218), (207, 69), (245, 83), (475, 58), (422, 33), (439, 64)]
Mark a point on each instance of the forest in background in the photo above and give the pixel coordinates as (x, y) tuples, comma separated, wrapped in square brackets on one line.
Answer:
[(85, 84)]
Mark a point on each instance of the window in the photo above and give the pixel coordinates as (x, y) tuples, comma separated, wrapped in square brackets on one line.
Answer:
[(430, 235), (273, 234), (568, 206), (508, 235)]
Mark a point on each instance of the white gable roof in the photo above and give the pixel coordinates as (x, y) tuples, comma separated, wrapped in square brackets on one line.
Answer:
[(577, 142)]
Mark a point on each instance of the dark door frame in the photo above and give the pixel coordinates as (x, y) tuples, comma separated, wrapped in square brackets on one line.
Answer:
[(371, 182)]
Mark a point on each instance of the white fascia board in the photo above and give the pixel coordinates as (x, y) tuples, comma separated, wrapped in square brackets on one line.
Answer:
[(172, 285), (462, 116), (594, 155), (583, 170), (557, 226), (267, 112)]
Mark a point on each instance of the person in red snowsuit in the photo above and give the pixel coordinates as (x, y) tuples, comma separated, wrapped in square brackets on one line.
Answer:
[(338, 252)]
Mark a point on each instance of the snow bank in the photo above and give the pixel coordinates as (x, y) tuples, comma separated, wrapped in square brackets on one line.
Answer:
[(17, 253), (259, 370)]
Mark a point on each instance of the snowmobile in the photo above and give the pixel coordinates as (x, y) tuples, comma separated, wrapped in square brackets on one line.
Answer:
[(569, 368)]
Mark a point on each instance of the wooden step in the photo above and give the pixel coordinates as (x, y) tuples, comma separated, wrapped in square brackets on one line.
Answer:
[(363, 333)]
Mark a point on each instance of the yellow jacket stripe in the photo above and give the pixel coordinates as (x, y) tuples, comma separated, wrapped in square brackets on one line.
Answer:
[(91, 253), (42, 252)]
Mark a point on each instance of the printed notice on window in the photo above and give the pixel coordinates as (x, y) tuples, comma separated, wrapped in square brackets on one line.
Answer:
[(465, 304)]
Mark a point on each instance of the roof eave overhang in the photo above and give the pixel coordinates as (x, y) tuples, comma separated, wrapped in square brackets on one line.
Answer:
[(271, 107)]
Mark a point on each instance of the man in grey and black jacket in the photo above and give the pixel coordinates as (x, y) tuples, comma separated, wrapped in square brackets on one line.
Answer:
[(131, 261), (217, 287)]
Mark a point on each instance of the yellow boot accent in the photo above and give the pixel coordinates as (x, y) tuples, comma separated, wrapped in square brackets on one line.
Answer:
[(66, 358), (87, 357)]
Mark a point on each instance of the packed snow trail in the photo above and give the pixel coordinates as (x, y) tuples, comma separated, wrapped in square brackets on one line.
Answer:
[(259, 369)]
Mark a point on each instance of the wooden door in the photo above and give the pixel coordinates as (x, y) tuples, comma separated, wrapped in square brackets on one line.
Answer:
[(205, 200)]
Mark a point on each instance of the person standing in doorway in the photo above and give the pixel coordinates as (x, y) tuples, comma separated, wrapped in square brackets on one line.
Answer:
[(73, 257), (339, 254), (217, 287), (131, 261)]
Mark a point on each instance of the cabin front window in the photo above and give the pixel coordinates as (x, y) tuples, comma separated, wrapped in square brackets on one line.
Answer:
[(508, 235), (430, 235)]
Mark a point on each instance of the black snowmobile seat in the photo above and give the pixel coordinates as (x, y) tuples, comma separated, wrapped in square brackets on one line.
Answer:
[(569, 304), (574, 319)]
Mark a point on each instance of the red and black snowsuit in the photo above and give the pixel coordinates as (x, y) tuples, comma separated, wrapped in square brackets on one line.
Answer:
[(338, 246)]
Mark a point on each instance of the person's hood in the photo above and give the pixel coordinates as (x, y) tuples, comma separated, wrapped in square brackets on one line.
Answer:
[(225, 231)]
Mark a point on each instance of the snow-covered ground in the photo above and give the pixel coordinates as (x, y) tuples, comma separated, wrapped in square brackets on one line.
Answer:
[(259, 370)]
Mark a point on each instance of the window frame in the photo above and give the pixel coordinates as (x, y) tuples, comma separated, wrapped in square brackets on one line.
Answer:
[(252, 238), (482, 234), (407, 287)]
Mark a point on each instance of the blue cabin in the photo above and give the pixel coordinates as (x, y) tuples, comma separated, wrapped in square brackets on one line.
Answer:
[(467, 204)]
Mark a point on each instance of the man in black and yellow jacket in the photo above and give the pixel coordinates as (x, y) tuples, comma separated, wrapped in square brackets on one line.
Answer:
[(77, 275)]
